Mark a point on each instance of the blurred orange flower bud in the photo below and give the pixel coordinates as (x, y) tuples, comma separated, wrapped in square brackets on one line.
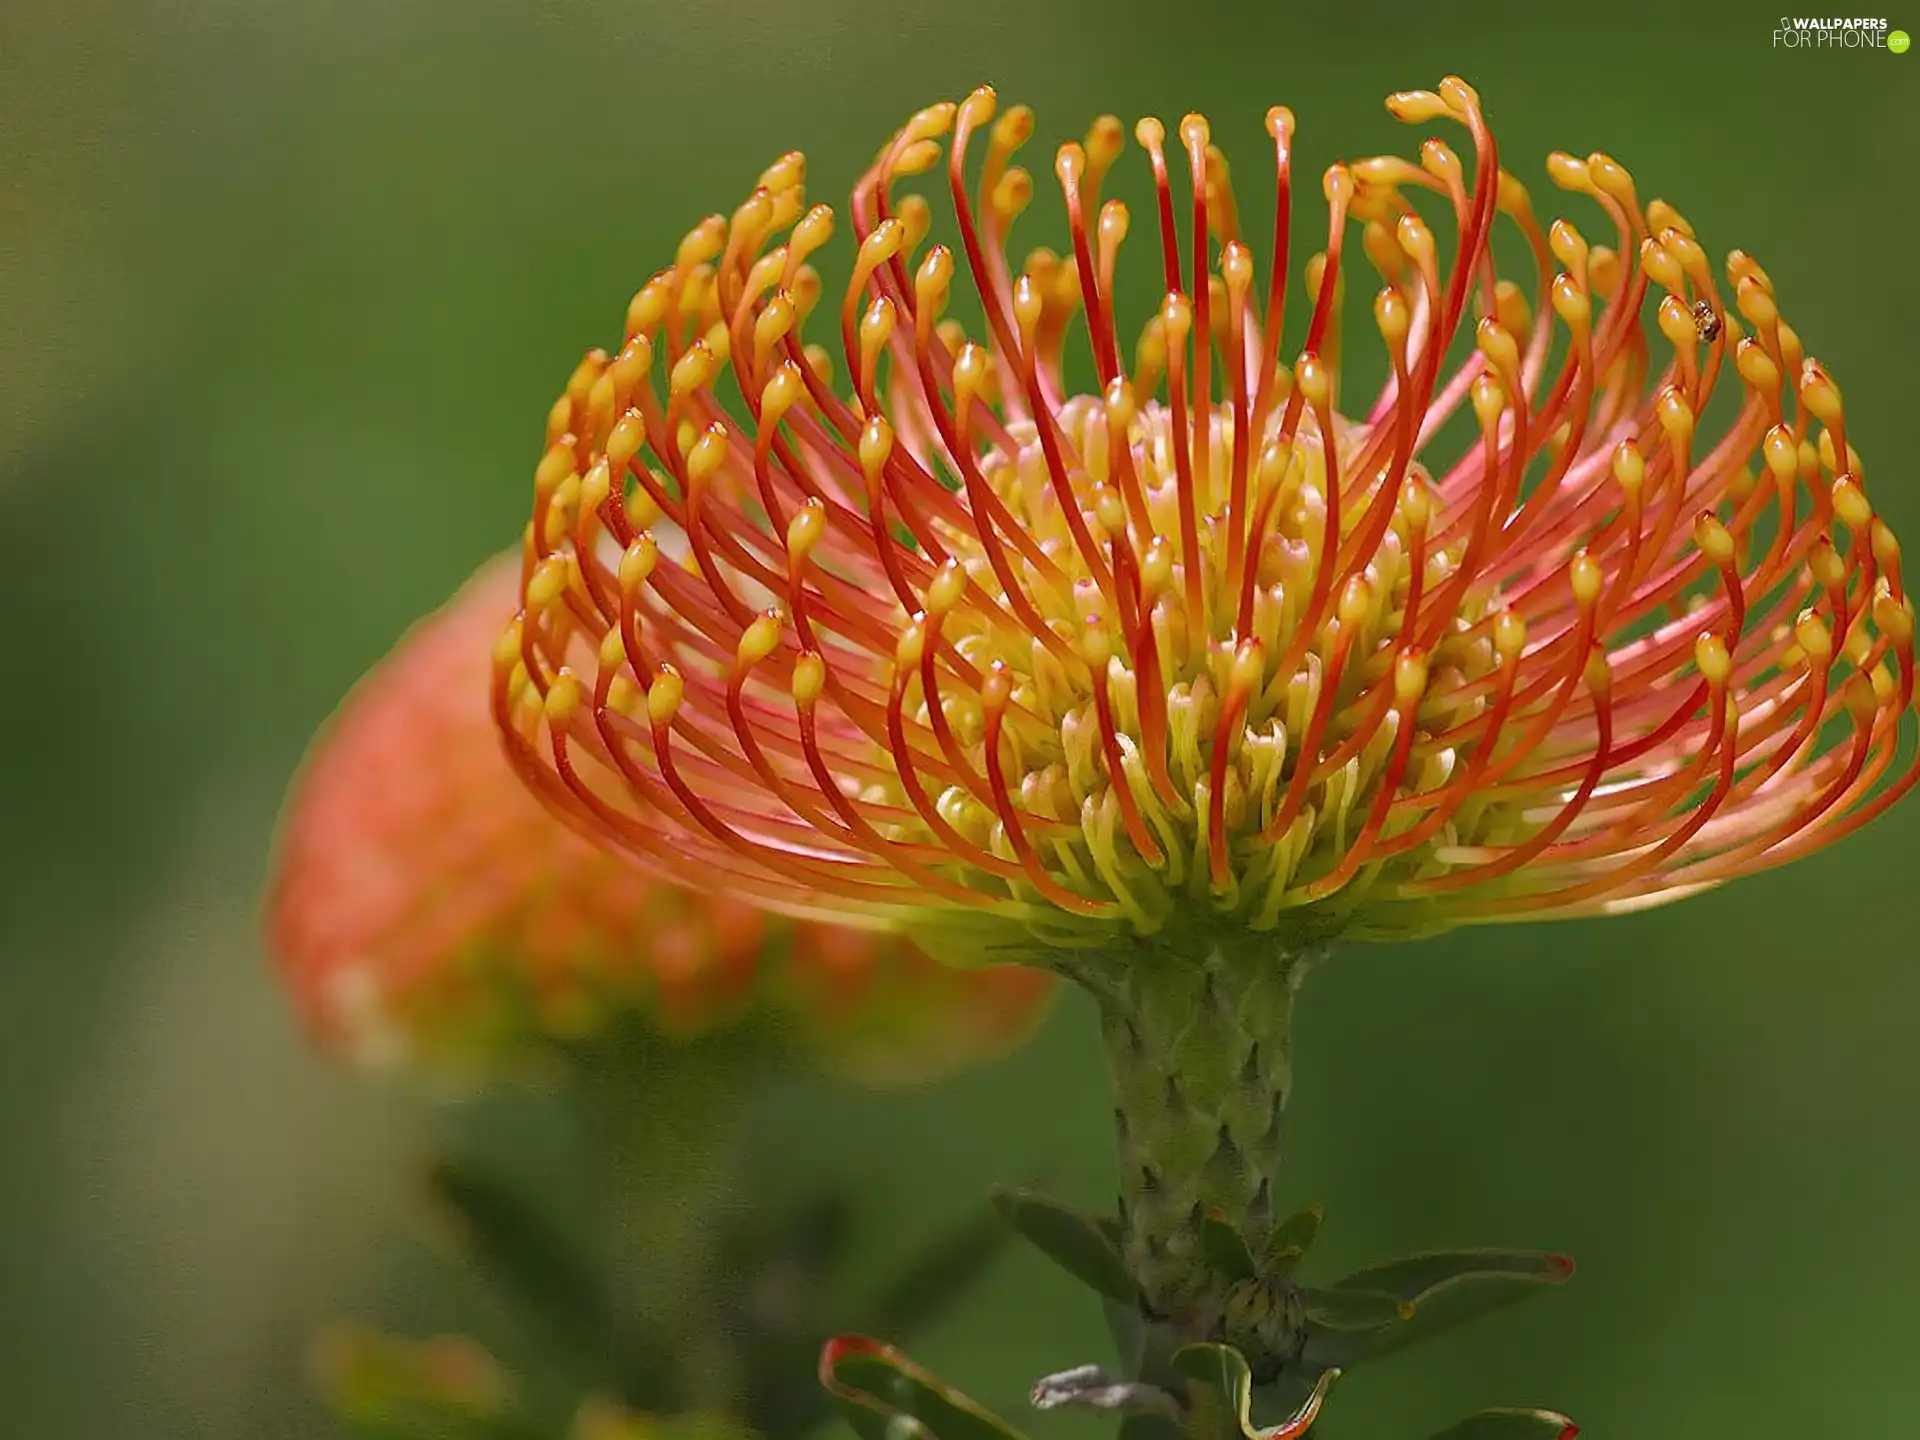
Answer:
[(425, 909)]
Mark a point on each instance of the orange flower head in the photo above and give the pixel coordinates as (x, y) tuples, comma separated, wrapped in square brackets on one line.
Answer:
[(425, 907), (961, 641)]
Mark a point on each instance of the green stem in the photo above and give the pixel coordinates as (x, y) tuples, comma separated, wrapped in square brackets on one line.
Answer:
[(1197, 1042)]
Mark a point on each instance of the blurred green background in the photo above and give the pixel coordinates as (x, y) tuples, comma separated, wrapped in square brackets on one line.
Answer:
[(284, 292)]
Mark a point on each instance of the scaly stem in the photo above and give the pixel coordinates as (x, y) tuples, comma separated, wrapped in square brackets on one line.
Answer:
[(1197, 1041)]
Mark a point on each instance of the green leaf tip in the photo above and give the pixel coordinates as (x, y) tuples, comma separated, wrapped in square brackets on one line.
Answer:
[(1291, 1239), (1225, 1248), (1078, 1243)]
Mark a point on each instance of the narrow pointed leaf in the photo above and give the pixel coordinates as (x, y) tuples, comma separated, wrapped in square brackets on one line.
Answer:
[(1220, 1392), (1512, 1425), (1436, 1291), (1290, 1241), (1354, 1309), (1344, 1327), (1225, 1249), (885, 1396), (1076, 1242), (1412, 1276)]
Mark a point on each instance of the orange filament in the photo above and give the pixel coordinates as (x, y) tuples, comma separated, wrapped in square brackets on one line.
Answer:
[(953, 638)]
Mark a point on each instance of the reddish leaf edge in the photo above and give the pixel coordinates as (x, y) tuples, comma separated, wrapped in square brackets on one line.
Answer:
[(1302, 1419), (855, 1346)]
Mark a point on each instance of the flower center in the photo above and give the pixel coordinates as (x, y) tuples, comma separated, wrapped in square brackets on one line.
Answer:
[(1154, 755)]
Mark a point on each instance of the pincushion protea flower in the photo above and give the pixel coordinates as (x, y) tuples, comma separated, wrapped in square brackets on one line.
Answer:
[(1166, 679), (425, 907)]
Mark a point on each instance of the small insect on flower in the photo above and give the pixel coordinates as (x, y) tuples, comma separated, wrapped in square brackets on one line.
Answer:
[(944, 641), (426, 911)]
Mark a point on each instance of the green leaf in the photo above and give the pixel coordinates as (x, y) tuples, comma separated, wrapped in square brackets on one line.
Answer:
[(1354, 1309), (1290, 1241), (1512, 1425), (885, 1396), (1226, 1250), (1413, 1276), (1220, 1391), (1434, 1291), (1076, 1242)]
